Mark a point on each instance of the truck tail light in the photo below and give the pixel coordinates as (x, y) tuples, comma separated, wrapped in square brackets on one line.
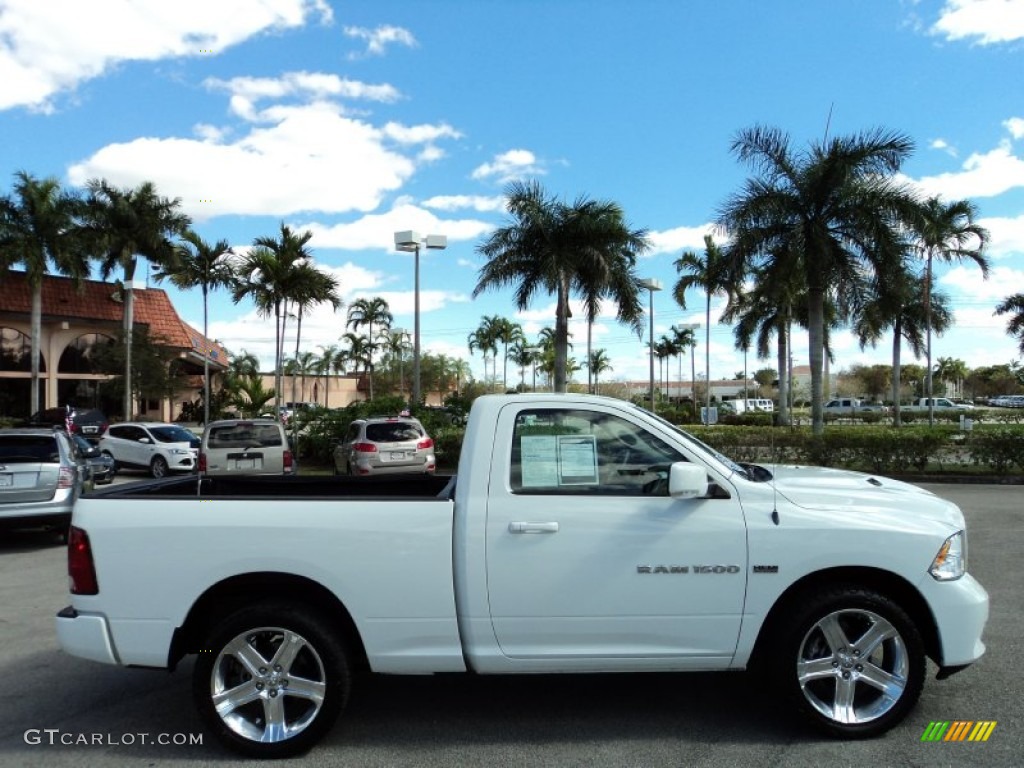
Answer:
[(81, 570), (66, 478), (289, 462), (424, 443), (202, 462), (365, 448)]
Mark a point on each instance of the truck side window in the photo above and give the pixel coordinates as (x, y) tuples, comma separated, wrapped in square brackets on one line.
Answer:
[(580, 452)]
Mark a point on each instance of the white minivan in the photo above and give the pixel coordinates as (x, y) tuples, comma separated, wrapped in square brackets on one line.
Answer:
[(245, 447)]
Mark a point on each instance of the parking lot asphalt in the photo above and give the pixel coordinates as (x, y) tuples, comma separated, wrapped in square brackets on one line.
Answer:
[(715, 720)]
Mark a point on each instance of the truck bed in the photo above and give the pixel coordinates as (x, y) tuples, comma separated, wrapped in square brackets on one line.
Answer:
[(386, 487)]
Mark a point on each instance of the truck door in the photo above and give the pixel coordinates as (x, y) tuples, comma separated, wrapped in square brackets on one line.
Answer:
[(589, 558)]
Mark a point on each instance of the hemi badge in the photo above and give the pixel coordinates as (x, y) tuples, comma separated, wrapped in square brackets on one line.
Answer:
[(766, 569)]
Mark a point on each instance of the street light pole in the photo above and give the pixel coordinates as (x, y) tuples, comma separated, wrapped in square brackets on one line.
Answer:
[(410, 242), (651, 285)]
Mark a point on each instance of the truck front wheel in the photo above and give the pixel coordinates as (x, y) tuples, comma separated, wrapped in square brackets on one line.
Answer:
[(271, 680), (852, 662)]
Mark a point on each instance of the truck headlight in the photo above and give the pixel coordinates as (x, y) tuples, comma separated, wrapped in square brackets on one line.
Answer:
[(951, 561)]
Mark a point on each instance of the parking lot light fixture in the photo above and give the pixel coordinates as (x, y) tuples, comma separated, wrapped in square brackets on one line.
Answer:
[(651, 285), (410, 242)]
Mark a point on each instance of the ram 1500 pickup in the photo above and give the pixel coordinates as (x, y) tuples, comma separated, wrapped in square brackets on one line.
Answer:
[(582, 534)]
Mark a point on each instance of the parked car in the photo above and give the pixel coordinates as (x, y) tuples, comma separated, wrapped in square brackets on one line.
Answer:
[(158, 448), (85, 421), (385, 446), (102, 466), (848, 406), (40, 478), (245, 446)]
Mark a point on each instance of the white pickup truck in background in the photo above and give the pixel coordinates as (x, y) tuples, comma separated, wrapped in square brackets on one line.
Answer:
[(942, 404), (583, 534)]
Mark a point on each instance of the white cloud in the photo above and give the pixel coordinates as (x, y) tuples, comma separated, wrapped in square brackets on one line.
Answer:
[(457, 202), (1006, 236), (50, 47), (510, 166), (378, 39), (1015, 125), (967, 281), (983, 175), (245, 92), (682, 239), (986, 21), (419, 134), (377, 231), (311, 159), (943, 146)]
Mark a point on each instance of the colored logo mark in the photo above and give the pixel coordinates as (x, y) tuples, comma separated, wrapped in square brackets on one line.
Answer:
[(958, 730)]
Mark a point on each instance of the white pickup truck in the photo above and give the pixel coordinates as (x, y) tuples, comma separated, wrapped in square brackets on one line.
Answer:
[(583, 535)]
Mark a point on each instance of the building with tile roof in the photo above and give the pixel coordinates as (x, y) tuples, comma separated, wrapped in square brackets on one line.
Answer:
[(76, 317)]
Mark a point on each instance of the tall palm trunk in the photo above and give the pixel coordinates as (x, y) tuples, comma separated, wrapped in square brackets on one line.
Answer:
[(128, 328), (36, 334), (815, 332), (897, 343), (784, 415), (707, 357), (561, 333), (206, 357)]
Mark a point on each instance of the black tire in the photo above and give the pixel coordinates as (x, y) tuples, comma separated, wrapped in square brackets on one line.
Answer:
[(117, 466), (830, 642), (158, 467), (321, 663)]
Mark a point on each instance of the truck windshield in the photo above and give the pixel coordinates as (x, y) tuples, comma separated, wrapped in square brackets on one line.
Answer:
[(698, 443)]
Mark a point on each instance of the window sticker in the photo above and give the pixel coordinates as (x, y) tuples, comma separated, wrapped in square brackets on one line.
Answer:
[(577, 460), (549, 461)]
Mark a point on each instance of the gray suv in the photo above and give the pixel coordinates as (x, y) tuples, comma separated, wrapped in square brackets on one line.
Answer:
[(383, 446), (41, 476)]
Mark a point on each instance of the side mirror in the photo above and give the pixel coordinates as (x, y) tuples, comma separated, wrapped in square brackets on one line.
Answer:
[(145, 440), (687, 480)]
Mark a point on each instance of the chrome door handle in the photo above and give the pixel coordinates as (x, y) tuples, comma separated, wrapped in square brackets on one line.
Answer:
[(533, 527)]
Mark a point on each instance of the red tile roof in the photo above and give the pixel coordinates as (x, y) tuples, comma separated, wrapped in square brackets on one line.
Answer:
[(96, 301)]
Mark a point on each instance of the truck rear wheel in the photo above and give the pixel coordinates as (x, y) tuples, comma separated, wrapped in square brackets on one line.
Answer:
[(271, 680), (852, 662)]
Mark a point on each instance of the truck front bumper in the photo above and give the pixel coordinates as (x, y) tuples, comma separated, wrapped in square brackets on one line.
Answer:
[(961, 611), (85, 635)]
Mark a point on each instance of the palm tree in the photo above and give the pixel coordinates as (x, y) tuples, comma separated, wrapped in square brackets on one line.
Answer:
[(200, 264), (331, 360), (558, 248), (370, 312), (898, 303), (523, 355), (485, 339), (309, 287), (833, 209), (951, 370), (685, 339), (664, 350), (359, 351), (599, 363), (1013, 306), (946, 231), (714, 275), (507, 333), (37, 232), (274, 272), (122, 225)]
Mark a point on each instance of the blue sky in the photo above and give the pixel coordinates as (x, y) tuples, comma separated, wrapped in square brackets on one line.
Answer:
[(359, 119)]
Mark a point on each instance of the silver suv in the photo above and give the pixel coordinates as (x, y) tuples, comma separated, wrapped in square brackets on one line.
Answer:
[(157, 448), (385, 446), (41, 476), (245, 447)]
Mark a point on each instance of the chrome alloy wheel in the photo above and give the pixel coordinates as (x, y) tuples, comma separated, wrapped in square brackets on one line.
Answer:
[(853, 666), (268, 684)]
